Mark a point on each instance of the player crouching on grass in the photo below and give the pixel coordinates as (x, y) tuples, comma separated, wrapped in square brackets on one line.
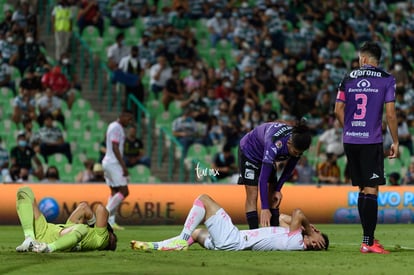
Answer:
[(294, 233), (85, 229)]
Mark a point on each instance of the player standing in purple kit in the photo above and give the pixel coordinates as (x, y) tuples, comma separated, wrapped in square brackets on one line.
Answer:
[(359, 108), (259, 150)]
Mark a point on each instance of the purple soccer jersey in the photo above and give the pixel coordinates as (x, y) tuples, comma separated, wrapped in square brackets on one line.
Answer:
[(266, 144), (364, 92)]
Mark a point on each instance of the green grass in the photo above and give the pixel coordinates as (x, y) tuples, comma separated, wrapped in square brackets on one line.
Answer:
[(343, 256)]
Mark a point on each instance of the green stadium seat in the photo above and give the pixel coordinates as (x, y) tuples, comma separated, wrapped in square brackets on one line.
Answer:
[(139, 174)]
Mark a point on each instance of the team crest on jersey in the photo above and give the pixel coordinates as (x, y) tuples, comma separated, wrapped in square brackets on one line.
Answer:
[(278, 144)]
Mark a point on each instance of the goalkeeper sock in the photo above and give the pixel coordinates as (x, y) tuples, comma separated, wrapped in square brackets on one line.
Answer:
[(24, 206), (195, 216), (252, 219)]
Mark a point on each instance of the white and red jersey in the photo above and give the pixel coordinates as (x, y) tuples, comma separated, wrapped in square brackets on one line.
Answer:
[(114, 133), (271, 238)]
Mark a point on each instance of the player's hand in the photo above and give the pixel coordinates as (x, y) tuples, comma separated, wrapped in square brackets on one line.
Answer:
[(265, 216), (394, 151), (276, 199), (125, 172)]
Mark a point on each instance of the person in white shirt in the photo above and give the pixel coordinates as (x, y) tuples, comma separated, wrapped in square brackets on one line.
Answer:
[(218, 28), (332, 140), (294, 233), (116, 172), (117, 51), (159, 74), (131, 66), (49, 103)]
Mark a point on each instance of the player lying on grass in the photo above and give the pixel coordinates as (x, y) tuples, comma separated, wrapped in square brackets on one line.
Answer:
[(85, 229), (295, 232)]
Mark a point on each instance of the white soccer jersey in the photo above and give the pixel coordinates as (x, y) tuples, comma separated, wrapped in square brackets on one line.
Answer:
[(272, 238), (114, 133), (224, 235)]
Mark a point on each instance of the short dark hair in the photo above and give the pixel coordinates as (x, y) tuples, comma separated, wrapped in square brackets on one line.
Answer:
[(301, 136), (113, 239), (227, 147), (326, 239), (372, 49)]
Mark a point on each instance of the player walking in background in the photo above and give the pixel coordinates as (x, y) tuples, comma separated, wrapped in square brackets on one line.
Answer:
[(115, 170), (259, 151), (359, 108), (86, 229), (221, 234)]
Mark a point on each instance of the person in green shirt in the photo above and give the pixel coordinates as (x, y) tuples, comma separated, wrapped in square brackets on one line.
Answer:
[(86, 229)]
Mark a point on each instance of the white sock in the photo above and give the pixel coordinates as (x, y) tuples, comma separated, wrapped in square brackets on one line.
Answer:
[(114, 202), (194, 218), (111, 219)]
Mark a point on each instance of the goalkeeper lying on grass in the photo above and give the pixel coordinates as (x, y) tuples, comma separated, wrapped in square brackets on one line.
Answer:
[(295, 232), (85, 229)]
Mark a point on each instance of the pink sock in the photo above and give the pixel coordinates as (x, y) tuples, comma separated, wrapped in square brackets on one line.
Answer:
[(194, 218), (114, 202)]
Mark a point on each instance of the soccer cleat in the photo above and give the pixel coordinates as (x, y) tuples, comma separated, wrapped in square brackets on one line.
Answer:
[(377, 242), (145, 246), (175, 245), (41, 248), (27, 245), (115, 226), (375, 248)]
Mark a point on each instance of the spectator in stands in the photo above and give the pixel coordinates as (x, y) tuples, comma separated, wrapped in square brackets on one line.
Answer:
[(145, 51), (22, 156), (4, 163), (215, 135), (267, 111), (328, 171), (225, 163), (50, 104), (59, 84), (103, 6), (24, 105), (121, 16), (69, 70), (138, 8), (28, 53), (52, 175), (264, 76), (5, 75), (219, 28), (181, 22), (98, 173), (134, 150), (305, 171), (89, 15), (117, 51), (409, 175), (329, 52), (9, 49), (87, 174), (51, 140), (331, 141), (394, 179), (62, 27), (22, 14), (131, 65), (32, 82), (7, 23), (185, 55), (159, 74), (184, 129), (404, 135), (173, 90)]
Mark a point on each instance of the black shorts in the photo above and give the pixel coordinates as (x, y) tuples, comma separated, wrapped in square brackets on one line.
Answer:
[(249, 171), (366, 164)]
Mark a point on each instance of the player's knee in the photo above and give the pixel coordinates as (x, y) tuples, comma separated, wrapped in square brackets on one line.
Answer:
[(25, 193), (83, 205), (204, 198), (80, 230)]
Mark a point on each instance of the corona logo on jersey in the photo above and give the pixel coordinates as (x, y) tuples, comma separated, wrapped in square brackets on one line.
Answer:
[(50, 208)]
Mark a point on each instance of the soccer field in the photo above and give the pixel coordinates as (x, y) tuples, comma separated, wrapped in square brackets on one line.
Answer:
[(343, 256)]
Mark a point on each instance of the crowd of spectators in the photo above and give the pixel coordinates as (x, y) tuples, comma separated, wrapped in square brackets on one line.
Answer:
[(242, 64)]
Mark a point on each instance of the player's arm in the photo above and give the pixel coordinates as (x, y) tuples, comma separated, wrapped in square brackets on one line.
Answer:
[(393, 126), (81, 214), (300, 221), (340, 111), (265, 214)]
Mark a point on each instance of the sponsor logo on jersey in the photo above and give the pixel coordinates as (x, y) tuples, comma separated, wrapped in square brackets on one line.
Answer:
[(249, 174)]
